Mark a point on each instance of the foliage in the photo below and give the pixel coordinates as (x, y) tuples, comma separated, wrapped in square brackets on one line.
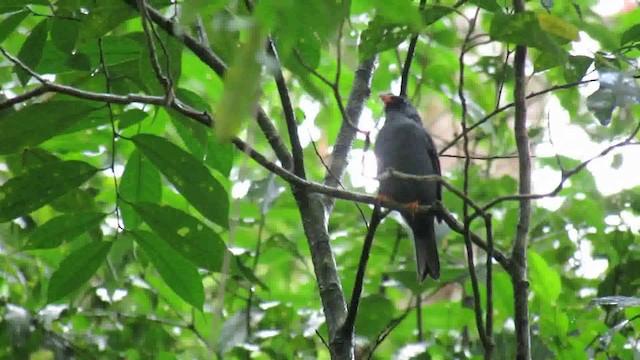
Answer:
[(131, 228)]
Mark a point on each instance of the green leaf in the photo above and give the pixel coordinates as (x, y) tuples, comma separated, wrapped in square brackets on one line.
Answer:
[(523, 29), (380, 36), (23, 194), (130, 118), (548, 4), (630, 35), (39, 122), (241, 87), (190, 177), (76, 269), (31, 51), (433, 13), (489, 5), (15, 5), (616, 89), (602, 103), (556, 26), (11, 23), (104, 17), (374, 315), (64, 34), (116, 49), (170, 66), (545, 281), (219, 155), (179, 274), (63, 228), (576, 67), (545, 61), (141, 181), (187, 235)]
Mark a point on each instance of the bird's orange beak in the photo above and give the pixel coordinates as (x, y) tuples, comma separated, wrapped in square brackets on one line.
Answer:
[(386, 99)]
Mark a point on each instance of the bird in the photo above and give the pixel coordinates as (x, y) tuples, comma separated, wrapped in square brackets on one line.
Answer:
[(404, 145)]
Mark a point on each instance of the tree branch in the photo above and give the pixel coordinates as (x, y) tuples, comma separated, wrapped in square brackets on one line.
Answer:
[(519, 253), (509, 106), (566, 174), (477, 301), (289, 115), (404, 82), (205, 119), (166, 81), (219, 67), (360, 92), (347, 328), (5, 104)]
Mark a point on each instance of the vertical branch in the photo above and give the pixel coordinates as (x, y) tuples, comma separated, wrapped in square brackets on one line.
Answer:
[(465, 210), (519, 253), (114, 133), (488, 351), (410, 52)]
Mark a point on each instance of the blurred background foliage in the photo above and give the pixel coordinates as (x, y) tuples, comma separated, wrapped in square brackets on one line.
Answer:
[(113, 246)]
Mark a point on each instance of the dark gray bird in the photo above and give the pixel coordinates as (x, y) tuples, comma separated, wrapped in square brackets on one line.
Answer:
[(404, 145)]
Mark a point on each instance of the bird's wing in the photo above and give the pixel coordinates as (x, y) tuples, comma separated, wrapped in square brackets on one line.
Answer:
[(432, 151)]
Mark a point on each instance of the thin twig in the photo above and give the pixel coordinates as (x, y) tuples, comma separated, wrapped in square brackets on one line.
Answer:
[(509, 106), (155, 63), (489, 284), (566, 174), (207, 56), (478, 157), (465, 209), (204, 118), (114, 137), (335, 88), (328, 170), (389, 328)]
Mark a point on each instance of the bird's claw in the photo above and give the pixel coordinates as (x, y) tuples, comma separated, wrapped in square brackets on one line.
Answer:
[(380, 198), (413, 207)]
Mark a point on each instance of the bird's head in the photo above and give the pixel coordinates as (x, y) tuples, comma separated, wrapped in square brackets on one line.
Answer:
[(399, 104)]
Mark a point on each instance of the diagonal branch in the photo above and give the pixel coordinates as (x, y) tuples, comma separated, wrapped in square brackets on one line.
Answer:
[(503, 108), (205, 119), (208, 57), (289, 115), (49, 86), (360, 92), (566, 174), (5, 104)]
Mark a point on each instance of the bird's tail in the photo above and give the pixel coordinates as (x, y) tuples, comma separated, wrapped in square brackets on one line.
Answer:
[(424, 238)]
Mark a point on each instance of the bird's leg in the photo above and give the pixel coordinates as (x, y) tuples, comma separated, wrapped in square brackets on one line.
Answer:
[(380, 198)]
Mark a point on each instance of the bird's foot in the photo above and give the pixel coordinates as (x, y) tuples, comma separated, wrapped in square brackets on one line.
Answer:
[(413, 207), (380, 198)]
